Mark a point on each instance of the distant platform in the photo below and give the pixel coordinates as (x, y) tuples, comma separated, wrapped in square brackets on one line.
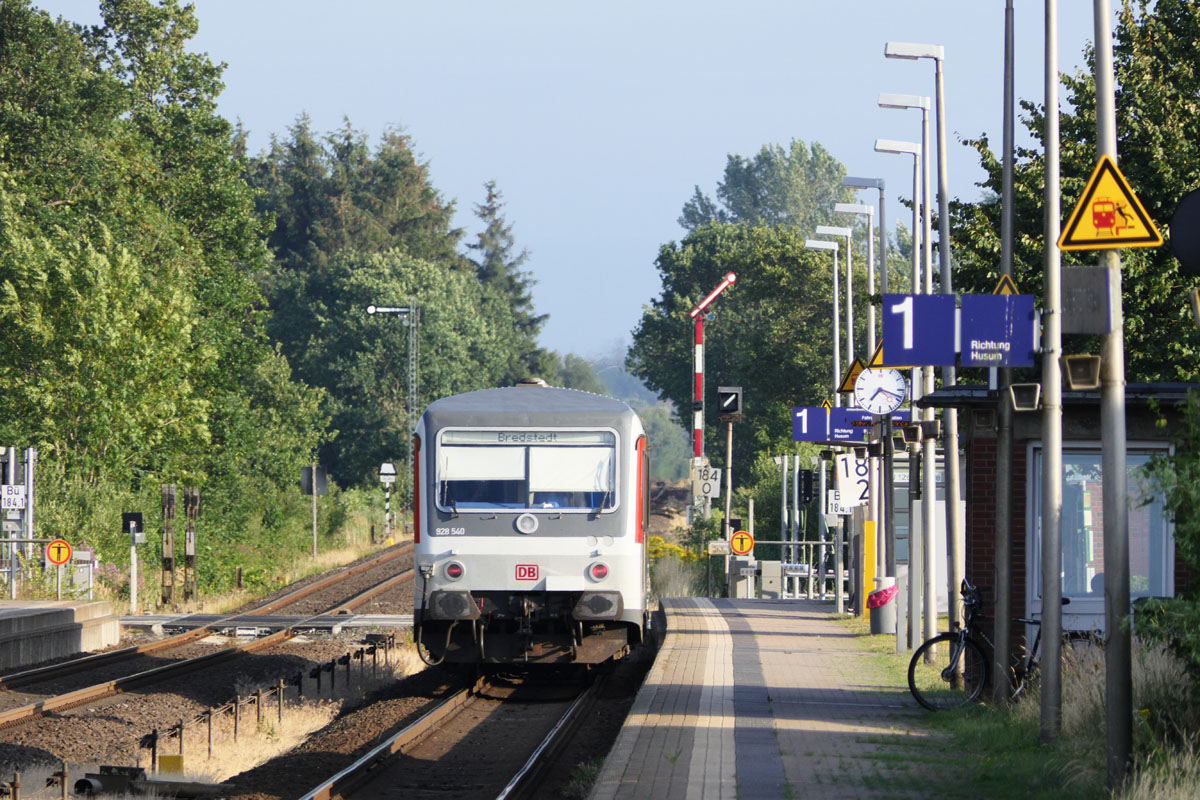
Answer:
[(33, 631), (255, 624)]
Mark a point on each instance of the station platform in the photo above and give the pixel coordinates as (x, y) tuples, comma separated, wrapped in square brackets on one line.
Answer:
[(753, 699), (33, 631)]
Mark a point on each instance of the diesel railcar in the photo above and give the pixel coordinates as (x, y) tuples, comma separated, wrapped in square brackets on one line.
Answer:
[(532, 506)]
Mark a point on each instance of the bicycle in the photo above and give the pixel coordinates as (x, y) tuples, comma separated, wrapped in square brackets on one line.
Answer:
[(957, 673)]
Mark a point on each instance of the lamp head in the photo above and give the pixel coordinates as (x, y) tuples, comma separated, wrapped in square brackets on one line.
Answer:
[(1082, 371), (863, 183), (1025, 396), (912, 51), (853, 208), (819, 244), (889, 100), (833, 230), (898, 147)]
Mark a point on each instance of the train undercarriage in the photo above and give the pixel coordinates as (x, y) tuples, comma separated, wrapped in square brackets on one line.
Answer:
[(525, 627)]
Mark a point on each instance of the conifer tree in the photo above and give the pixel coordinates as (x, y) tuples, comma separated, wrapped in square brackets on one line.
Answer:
[(497, 264)]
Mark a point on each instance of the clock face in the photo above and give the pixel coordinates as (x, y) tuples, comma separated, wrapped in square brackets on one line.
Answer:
[(880, 391)]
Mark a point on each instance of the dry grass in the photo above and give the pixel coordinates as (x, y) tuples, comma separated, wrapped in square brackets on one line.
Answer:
[(301, 568), (258, 742)]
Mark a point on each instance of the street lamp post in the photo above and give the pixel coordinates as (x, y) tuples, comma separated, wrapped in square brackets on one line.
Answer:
[(818, 244), (889, 515), (410, 315), (873, 476), (915, 545), (956, 557), (848, 235), (869, 213)]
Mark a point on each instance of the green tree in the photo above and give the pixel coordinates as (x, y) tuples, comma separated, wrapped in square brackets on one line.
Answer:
[(576, 372), (796, 186), (497, 264), (1158, 133), (776, 314), (467, 341), (134, 348)]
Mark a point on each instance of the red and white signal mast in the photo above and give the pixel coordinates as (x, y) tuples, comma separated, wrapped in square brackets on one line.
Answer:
[(697, 314)]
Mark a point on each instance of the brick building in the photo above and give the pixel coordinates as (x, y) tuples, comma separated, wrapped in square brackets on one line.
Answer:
[(1151, 413)]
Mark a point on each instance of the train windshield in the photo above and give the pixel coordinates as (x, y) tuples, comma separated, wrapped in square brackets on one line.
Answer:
[(526, 470)]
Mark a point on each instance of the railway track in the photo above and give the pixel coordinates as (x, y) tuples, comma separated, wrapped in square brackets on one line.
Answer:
[(495, 739), (96, 691)]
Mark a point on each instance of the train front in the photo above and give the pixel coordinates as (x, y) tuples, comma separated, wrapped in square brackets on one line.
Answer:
[(533, 507)]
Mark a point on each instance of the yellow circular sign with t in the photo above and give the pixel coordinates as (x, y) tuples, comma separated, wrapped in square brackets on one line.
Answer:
[(741, 543), (58, 552)]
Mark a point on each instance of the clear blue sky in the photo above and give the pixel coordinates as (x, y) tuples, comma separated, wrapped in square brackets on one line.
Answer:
[(597, 120)]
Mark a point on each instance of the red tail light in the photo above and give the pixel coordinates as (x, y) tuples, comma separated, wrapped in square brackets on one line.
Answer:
[(598, 571), (416, 470), (454, 570)]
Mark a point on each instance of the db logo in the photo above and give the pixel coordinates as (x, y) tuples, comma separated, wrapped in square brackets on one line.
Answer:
[(527, 572)]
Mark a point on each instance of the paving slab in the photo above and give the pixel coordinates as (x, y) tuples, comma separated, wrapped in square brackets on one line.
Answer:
[(756, 699)]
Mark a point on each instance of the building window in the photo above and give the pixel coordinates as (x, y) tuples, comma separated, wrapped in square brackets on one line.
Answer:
[(1151, 543)]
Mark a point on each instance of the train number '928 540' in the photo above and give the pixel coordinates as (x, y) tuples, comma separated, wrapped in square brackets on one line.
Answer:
[(449, 531)]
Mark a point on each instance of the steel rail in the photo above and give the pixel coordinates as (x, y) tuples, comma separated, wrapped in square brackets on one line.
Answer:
[(348, 778), (100, 691), (362, 598), (526, 782), (38, 674), (329, 580)]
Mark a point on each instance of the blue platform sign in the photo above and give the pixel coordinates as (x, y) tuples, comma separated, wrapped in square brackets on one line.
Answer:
[(997, 330), (918, 330), (818, 424), (850, 425), (810, 424)]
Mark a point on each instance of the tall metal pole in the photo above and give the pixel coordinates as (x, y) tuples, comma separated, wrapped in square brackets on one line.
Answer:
[(698, 389), (955, 538), (889, 512), (413, 318), (928, 467), (1118, 645), (1051, 711), (697, 314), (784, 526), (797, 531), (888, 538), (728, 479), (314, 509), (1003, 495), (915, 543), (837, 351), (849, 300)]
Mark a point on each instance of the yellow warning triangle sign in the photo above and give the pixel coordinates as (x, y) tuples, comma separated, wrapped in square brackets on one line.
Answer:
[(876, 357), (1005, 286), (1108, 215), (851, 376), (876, 361)]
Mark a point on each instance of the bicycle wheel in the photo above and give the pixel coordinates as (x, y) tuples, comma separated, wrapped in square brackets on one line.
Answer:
[(935, 685)]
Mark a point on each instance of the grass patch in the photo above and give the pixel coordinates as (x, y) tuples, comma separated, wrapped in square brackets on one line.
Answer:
[(991, 752)]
